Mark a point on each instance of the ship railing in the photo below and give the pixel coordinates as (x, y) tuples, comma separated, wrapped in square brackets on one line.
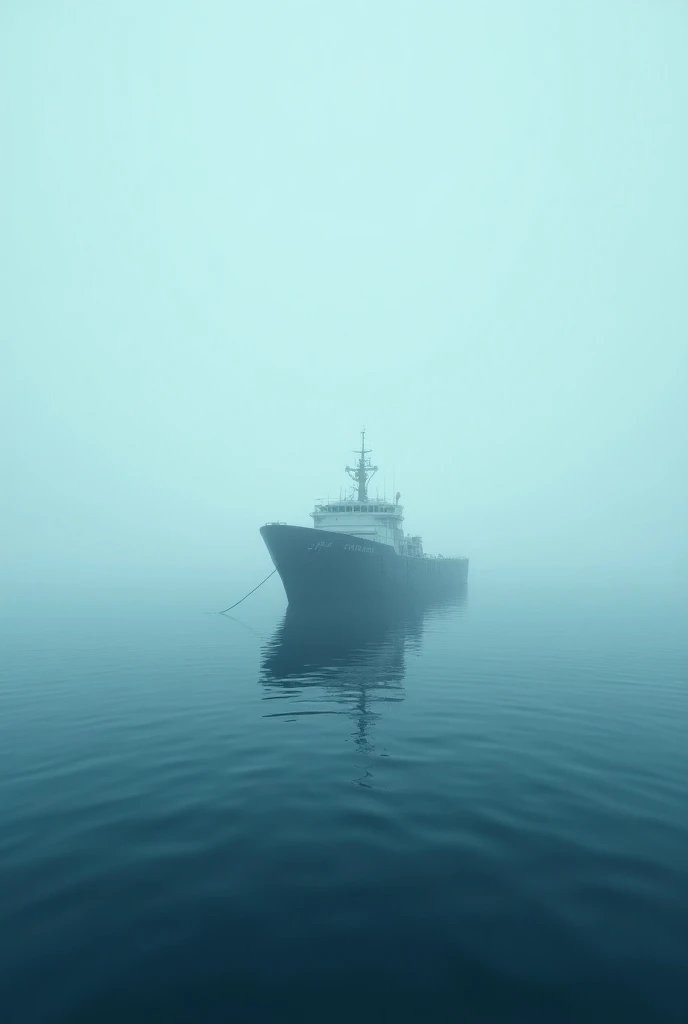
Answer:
[(383, 506), (447, 558)]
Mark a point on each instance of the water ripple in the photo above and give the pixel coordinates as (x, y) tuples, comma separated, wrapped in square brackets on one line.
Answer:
[(475, 811)]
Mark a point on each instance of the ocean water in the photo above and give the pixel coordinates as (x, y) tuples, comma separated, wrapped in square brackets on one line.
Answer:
[(475, 811)]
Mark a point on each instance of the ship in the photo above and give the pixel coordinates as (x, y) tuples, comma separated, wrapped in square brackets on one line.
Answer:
[(356, 553)]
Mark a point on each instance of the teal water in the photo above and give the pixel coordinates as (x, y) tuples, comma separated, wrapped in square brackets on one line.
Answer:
[(476, 812)]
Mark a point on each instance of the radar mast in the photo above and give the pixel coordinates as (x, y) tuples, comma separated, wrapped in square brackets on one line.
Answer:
[(363, 471)]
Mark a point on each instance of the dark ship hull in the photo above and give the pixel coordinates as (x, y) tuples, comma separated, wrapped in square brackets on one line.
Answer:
[(319, 567)]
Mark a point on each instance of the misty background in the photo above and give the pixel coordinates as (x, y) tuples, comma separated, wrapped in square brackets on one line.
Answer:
[(233, 234)]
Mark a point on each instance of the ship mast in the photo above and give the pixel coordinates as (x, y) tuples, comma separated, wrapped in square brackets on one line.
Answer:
[(363, 472)]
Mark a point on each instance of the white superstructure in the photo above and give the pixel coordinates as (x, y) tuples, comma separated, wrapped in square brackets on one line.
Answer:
[(377, 520)]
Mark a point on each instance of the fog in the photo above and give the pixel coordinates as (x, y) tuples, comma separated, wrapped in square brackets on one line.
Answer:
[(233, 234)]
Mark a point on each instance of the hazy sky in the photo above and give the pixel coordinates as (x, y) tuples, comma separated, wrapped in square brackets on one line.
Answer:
[(231, 234)]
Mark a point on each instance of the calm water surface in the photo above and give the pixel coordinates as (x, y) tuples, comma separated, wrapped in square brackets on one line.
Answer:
[(475, 812)]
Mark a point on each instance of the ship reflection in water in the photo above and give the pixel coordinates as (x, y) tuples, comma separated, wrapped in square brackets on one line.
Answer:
[(349, 664)]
